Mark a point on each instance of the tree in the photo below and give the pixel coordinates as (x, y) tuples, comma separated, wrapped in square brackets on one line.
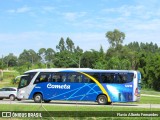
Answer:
[(61, 46), (42, 55), (70, 45), (49, 56), (10, 60), (89, 58), (114, 63), (115, 38), (28, 58)]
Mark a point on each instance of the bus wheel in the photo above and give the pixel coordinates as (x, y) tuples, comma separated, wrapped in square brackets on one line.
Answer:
[(102, 100), (47, 101), (37, 98)]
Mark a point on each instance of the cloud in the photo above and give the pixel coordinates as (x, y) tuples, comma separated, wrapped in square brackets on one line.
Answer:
[(72, 16), (23, 9), (126, 10), (48, 8)]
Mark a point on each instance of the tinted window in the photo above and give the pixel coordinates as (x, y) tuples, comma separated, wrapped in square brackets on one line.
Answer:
[(43, 77), (74, 77), (59, 77), (121, 78), (117, 77), (25, 80), (12, 89), (130, 77), (107, 77), (95, 75), (124, 77)]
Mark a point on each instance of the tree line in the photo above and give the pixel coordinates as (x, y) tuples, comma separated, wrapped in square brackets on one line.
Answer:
[(144, 57)]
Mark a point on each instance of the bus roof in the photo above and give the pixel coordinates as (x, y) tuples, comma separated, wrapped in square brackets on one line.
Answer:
[(76, 69)]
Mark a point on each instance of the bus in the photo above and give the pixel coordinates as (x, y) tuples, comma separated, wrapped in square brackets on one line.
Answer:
[(80, 84)]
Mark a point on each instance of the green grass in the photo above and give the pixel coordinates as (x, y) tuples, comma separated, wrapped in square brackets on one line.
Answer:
[(7, 78), (36, 108), (14, 107), (149, 100), (151, 92)]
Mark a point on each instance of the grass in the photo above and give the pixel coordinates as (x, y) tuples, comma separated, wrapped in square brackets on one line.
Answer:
[(79, 110), (14, 107), (8, 76), (149, 100), (151, 92)]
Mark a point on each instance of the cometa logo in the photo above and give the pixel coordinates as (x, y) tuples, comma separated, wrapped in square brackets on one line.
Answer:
[(49, 85)]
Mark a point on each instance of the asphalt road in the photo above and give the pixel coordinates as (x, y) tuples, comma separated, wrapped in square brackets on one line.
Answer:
[(75, 103)]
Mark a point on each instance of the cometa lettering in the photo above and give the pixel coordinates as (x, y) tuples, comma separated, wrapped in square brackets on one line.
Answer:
[(49, 85)]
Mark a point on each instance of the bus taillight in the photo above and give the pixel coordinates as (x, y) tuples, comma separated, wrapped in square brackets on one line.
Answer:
[(136, 92)]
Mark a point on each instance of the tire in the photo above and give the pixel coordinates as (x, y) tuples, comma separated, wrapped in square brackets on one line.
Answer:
[(1, 98), (12, 97), (37, 98), (102, 100), (109, 103), (47, 101), (19, 99)]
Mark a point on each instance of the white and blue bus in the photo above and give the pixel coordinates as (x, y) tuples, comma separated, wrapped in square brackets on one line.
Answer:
[(80, 84)]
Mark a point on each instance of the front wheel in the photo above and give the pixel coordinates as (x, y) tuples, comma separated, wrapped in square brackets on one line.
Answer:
[(102, 100), (37, 98)]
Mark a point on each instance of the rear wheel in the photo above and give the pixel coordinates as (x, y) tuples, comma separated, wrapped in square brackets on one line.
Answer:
[(37, 98), (102, 100), (12, 97)]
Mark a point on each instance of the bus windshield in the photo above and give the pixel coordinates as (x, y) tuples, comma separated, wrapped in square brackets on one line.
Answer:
[(26, 79)]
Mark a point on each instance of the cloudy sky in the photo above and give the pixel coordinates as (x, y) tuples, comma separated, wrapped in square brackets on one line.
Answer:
[(35, 24)]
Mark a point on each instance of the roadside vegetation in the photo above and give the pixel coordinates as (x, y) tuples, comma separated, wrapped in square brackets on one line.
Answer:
[(144, 57)]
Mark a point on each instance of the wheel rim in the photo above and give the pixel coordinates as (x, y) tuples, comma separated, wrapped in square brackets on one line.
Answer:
[(37, 98), (101, 100), (11, 97)]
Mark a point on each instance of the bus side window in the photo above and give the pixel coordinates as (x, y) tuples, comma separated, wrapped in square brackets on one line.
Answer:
[(105, 78), (63, 78), (130, 77), (112, 78), (76, 79), (121, 78), (43, 77)]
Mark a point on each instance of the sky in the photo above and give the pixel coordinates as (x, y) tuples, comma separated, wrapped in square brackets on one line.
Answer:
[(35, 24)]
